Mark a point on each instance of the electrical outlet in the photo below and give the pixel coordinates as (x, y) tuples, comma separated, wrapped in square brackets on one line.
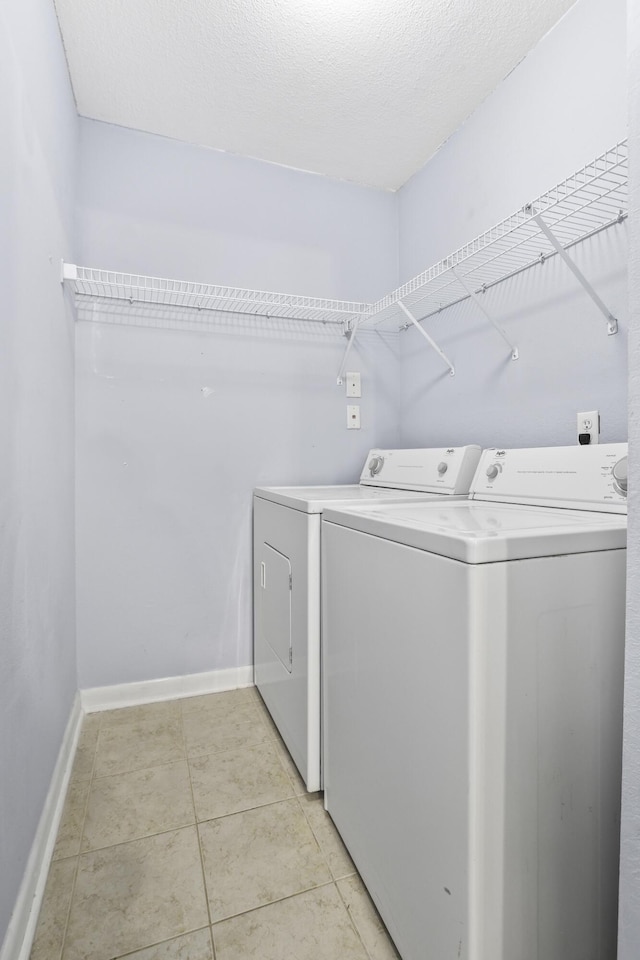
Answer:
[(588, 427), (353, 417), (353, 385)]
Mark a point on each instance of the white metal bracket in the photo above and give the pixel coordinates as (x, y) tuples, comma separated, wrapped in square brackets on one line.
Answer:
[(68, 271), (351, 328), (479, 304), (612, 323), (432, 343)]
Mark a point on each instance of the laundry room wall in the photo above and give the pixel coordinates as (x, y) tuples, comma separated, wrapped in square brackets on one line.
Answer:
[(37, 631), (564, 105), (179, 417), (629, 912)]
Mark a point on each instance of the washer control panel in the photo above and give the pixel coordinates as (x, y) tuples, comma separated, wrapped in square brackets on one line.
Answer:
[(582, 478), (433, 469)]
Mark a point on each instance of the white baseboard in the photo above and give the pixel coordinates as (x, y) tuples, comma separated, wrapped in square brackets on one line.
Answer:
[(22, 926), (94, 699)]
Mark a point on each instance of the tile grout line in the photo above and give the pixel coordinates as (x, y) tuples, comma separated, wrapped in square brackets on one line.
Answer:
[(84, 816), (345, 876), (270, 903), (352, 921), (195, 817), (159, 943), (144, 836), (313, 834), (153, 766)]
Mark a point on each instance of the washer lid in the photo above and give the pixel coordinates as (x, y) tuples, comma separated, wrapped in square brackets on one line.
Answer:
[(317, 499), (487, 532)]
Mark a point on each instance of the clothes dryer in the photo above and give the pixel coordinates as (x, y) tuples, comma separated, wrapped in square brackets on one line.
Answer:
[(473, 682), (286, 578)]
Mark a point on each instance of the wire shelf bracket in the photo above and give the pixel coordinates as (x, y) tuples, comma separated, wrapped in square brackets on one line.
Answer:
[(592, 199), (612, 323), (350, 333), (434, 346), (478, 302)]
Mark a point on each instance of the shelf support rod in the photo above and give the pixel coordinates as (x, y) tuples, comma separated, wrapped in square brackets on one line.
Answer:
[(432, 343), (612, 323), (350, 334), (479, 304)]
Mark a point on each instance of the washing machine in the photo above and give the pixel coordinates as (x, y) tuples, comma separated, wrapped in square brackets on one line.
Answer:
[(286, 578), (473, 686)]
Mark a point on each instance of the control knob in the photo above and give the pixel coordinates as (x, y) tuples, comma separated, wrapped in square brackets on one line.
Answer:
[(493, 470), (620, 477), (442, 468), (375, 465)]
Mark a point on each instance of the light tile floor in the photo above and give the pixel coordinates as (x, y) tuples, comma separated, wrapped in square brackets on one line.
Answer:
[(187, 834)]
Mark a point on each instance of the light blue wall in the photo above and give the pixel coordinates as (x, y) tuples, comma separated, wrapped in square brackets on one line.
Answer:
[(176, 427), (157, 206), (37, 629), (559, 109)]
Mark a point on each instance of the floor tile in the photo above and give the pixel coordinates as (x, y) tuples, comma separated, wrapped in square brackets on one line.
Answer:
[(136, 894), (136, 744), (256, 857), (211, 730), (268, 722), (86, 749), (238, 780), (220, 701), (52, 922), (298, 784), (132, 805), (340, 863), (367, 919), (311, 926), (193, 946), (70, 829)]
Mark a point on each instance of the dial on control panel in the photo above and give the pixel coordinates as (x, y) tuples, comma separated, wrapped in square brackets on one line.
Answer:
[(493, 470), (375, 465), (442, 468), (620, 477)]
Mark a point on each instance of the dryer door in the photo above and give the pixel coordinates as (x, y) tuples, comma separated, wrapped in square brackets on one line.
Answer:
[(275, 603)]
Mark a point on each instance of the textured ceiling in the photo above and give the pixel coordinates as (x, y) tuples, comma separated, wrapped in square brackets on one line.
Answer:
[(365, 90)]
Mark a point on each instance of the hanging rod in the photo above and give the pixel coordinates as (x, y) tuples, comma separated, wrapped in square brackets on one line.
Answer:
[(94, 284), (240, 313)]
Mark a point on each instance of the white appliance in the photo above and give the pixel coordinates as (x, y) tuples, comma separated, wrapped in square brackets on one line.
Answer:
[(473, 679), (286, 578)]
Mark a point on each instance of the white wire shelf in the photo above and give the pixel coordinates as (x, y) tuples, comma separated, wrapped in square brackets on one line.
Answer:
[(93, 285), (592, 199)]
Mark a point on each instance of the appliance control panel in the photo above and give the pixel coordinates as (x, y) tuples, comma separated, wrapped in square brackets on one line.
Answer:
[(580, 478), (434, 469)]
